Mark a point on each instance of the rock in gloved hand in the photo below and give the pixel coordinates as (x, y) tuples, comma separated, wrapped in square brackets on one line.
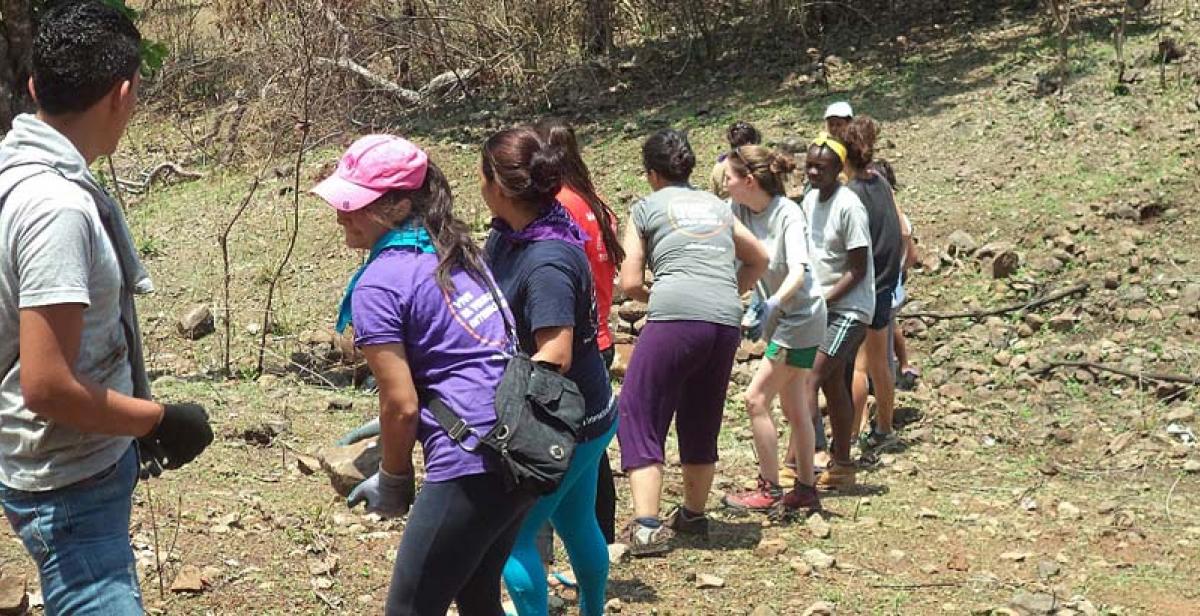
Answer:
[(384, 493)]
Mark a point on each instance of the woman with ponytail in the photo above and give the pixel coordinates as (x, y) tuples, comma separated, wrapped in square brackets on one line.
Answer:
[(791, 320), (425, 321), (604, 254), (888, 245), (537, 255)]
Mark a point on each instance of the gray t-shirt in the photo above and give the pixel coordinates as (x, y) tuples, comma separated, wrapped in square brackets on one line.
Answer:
[(836, 227), (56, 252), (689, 242), (887, 249), (783, 230)]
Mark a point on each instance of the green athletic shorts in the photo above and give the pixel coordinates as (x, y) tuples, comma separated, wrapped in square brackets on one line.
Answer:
[(798, 358)]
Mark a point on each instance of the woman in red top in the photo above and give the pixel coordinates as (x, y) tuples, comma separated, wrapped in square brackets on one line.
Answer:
[(604, 254)]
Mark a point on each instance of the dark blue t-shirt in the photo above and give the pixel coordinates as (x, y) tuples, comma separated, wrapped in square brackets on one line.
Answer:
[(548, 283)]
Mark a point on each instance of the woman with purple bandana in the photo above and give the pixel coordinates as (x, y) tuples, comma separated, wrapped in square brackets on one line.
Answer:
[(428, 326), (536, 253)]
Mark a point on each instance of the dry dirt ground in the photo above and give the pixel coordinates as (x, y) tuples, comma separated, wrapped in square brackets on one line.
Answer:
[(1075, 487)]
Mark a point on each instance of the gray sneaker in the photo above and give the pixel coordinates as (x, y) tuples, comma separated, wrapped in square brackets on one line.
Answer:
[(684, 522), (647, 541), (878, 442)]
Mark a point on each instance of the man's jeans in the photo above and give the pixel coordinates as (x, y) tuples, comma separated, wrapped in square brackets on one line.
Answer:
[(79, 537)]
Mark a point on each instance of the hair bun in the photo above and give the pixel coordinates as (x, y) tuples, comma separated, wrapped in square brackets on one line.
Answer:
[(782, 164), (683, 161), (545, 172)]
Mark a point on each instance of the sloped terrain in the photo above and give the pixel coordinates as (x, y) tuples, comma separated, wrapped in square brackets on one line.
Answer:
[(1021, 483)]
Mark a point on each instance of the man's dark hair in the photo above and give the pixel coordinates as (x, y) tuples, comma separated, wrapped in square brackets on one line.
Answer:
[(81, 50)]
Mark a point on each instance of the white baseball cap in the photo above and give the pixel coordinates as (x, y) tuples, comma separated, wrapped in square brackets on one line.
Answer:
[(840, 109)]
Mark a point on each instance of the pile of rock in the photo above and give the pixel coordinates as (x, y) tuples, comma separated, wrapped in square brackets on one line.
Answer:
[(629, 319)]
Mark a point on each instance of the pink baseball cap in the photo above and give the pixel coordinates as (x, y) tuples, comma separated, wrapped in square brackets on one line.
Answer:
[(370, 168)]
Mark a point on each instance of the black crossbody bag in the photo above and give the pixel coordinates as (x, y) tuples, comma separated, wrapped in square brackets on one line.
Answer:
[(539, 416)]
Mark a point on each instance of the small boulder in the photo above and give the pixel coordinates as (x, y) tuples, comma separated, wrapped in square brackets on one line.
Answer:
[(197, 322), (188, 580), (350, 465), (1183, 413), (339, 403), (1189, 300), (820, 608), (961, 244), (1046, 264), (1033, 604), (633, 311), (1005, 264), (707, 580), (818, 526), (992, 249), (800, 567), (1063, 322), (819, 559), (1068, 511), (14, 595), (1048, 569), (770, 548)]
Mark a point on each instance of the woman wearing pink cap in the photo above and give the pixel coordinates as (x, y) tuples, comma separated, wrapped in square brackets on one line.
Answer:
[(426, 322)]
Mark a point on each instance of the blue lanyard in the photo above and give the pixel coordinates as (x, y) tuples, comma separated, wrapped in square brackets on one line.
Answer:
[(411, 235)]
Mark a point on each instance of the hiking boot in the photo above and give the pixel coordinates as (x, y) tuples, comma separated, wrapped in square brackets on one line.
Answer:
[(838, 476), (685, 522), (761, 498), (647, 541), (801, 497)]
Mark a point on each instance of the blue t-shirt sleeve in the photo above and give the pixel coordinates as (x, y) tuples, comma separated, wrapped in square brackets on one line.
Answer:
[(551, 295), (378, 315)]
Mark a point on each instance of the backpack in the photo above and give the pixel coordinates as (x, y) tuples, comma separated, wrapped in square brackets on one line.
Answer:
[(539, 417)]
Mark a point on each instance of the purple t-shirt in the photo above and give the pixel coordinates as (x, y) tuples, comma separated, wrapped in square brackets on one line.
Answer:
[(453, 343)]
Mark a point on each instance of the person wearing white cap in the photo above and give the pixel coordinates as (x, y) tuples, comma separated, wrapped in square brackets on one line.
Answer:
[(837, 118)]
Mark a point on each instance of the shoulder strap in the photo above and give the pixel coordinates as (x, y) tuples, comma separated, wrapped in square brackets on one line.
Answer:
[(449, 420), (509, 327)]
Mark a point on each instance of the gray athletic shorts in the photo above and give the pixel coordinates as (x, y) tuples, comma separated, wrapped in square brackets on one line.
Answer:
[(843, 334)]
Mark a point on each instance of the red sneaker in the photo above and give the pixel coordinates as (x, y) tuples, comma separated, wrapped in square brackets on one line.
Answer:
[(801, 497), (762, 498)]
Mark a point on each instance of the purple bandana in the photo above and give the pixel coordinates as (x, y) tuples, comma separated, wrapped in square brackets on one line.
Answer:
[(553, 224)]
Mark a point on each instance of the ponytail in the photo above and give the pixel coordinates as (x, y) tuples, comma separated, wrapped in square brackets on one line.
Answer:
[(433, 204), (575, 175)]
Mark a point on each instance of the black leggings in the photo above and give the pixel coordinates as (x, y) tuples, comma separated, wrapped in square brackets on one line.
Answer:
[(606, 490), (457, 539)]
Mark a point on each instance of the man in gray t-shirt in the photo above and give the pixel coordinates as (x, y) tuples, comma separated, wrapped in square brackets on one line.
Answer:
[(73, 391)]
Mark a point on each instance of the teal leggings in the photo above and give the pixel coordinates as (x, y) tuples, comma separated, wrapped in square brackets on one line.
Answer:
[(572, 511)]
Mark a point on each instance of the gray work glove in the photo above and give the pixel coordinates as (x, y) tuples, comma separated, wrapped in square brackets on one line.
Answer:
[(384, 493)]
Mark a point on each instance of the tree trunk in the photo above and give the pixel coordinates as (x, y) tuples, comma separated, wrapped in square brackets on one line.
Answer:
[(598, 28), (16, 46)]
